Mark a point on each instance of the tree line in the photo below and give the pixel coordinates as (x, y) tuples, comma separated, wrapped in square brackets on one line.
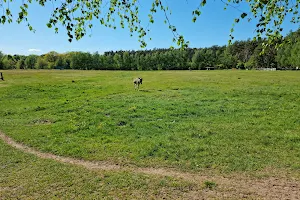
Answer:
[(241, 55)]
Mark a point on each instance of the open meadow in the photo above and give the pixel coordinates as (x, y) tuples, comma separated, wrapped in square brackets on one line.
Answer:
[(228, 123)]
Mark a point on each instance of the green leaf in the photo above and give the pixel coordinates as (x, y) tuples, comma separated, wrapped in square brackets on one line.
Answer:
[(197, 12), (7, 12), (30, 28), (3, 19), (243, 15)]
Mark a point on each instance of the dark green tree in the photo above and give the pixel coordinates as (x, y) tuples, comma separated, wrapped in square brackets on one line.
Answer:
[(30, 61)]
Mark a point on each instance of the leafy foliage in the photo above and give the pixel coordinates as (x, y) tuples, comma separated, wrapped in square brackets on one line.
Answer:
[(241, 54), (76, 16), (1, 62)]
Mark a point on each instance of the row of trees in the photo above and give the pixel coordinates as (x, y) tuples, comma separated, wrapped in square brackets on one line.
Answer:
[(241, 54)]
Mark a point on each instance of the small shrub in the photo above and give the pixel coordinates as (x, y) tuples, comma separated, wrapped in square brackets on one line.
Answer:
[(210, 184)]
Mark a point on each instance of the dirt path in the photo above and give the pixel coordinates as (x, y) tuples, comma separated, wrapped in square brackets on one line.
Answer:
[(233, 187)]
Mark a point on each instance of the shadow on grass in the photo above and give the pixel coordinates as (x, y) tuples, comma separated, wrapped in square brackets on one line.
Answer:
[(144, 90)]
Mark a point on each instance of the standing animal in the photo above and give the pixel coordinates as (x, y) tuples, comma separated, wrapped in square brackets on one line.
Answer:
[(137, 82)]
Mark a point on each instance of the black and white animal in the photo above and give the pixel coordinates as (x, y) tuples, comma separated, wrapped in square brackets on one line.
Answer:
[(137, 82)]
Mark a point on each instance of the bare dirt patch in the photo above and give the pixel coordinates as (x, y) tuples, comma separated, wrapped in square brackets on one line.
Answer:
[(40, 122), (238, 186)]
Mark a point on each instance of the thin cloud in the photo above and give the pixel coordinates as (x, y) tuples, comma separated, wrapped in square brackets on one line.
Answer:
[(34, 50)]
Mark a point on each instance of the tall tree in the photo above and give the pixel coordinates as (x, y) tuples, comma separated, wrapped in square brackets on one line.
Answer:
[(60, 62), (126, 61), (97, 61), (241, 54), (9, 62), (295, 57), (196, 59), (51, 58), (21, 64), (228, 60), (41, 63), (1, 62), (137, 61), (30, 61), (118, 61)]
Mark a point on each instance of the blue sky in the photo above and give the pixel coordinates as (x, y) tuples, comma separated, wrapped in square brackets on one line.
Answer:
[(211, 28)]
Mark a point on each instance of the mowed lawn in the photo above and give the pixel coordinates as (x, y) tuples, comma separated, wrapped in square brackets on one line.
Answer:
[(228, 121)]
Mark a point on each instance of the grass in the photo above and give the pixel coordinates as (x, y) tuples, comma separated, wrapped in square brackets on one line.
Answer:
[(25, 176), (210, 184), (229, 121)]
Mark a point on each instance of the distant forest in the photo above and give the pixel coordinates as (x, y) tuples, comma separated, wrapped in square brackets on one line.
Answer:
[(240, 55)]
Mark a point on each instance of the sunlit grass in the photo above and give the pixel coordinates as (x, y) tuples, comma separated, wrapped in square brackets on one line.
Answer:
[(25, 176), (223, 120)]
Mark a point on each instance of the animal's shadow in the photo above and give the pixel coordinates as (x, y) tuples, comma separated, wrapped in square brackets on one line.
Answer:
[(144, 90)]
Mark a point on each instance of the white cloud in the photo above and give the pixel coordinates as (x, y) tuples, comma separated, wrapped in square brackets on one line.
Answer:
[(34, 50)]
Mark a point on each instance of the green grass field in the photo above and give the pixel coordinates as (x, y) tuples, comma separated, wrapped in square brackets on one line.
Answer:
[(25, 176), (227, 121)]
